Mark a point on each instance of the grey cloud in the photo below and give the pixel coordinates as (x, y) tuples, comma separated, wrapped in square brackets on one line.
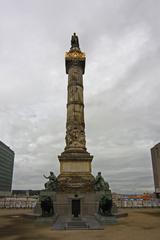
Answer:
[(121, 86)]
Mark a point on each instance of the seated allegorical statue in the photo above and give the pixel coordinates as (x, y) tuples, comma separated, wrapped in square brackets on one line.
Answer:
[(51, 185), (100, 183)]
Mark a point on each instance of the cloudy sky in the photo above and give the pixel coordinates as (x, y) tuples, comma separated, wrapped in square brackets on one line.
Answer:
[(121, 39)]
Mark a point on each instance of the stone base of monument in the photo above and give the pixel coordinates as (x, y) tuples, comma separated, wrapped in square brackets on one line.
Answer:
[(106, 220), (78, 211), (75, 204), (120, 213), (75, 210), (37, 211)]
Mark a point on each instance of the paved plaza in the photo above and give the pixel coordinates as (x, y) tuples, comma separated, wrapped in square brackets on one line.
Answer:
[(140, 224)]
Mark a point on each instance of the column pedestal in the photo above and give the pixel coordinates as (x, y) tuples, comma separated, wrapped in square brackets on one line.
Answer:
[(75, 172)]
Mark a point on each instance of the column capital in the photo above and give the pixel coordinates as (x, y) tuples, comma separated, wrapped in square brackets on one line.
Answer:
[(75, 57)]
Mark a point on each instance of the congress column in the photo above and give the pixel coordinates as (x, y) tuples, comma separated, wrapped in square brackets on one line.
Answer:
[(75, 127), (75, 161)]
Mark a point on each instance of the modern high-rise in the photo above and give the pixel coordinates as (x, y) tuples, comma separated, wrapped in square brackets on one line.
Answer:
[(155, 153), (6, 167)]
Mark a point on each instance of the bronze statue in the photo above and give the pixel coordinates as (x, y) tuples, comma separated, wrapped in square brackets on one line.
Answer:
[(105, 204), (51, 185), (100, 184), (47, 206), (74, 41)]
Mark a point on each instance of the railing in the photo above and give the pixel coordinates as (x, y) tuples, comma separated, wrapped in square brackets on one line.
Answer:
[(10, 202), (137, 203)]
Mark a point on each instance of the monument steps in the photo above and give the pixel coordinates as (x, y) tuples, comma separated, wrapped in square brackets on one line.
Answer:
[(76, 225), (85, 223)]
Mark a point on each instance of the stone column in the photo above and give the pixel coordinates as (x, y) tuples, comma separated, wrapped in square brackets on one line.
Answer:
[(75, 161), (75, 127)]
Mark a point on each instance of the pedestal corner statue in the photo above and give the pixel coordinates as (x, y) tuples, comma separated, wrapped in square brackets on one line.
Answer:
[(75, 191)]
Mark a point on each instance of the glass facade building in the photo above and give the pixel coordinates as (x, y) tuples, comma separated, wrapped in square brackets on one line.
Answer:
[(6, 167)]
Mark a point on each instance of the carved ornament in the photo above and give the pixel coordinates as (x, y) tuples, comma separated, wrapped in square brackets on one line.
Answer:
[(75, 55)]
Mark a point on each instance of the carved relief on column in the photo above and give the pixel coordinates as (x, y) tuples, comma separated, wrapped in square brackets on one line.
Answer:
[(75, 134), (75, 137), (75, 76), (75, 113), (75, 127), (75, 93)]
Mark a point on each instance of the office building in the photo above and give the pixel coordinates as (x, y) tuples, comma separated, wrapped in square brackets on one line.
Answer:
[(155, 153), (6, 167)]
